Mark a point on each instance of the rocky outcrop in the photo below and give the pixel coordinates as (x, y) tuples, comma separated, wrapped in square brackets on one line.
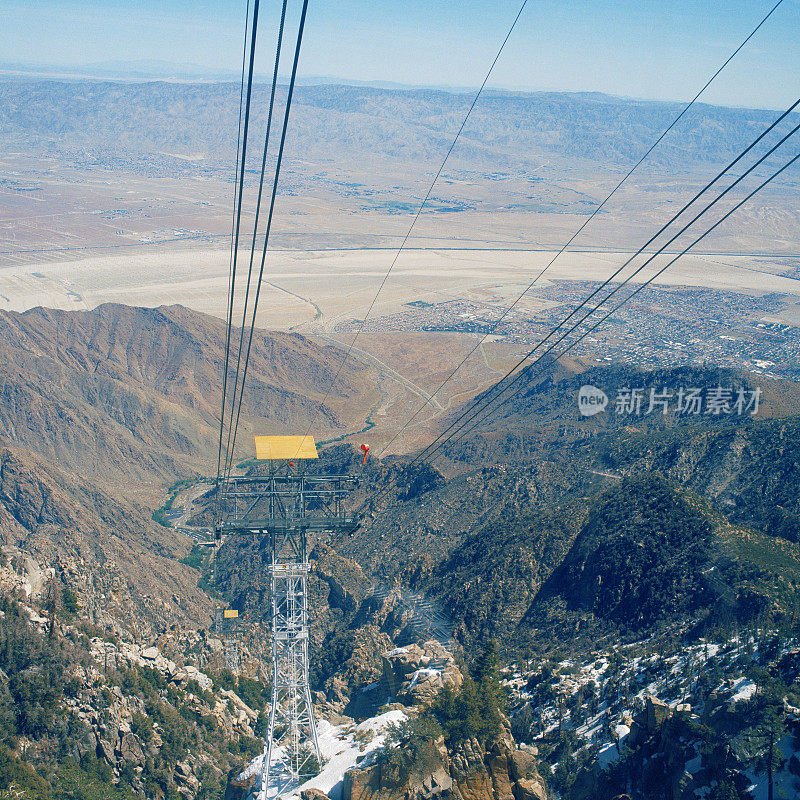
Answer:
[(129, 749), (363, 783), (344, 578), (132, 712), (468, 769), (528, 783), (498, 770), (649, 722), (122, 566), (313, 794), (414, 675)]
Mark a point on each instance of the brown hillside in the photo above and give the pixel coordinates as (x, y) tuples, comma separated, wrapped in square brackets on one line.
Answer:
[(135, 392)]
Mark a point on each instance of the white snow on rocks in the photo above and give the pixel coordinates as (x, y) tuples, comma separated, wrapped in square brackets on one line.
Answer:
[(743, 689), (341, 747), (421, 674)]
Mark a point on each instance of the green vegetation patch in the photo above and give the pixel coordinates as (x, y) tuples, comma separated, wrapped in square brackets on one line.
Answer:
[(159, 515), (202, 559), (764, 551)]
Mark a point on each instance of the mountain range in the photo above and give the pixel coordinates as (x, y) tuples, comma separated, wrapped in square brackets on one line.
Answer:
[(143, 126), (100, 411), (562, 539)]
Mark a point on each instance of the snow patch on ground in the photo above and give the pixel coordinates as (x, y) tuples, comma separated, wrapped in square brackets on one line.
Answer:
[(421, 674), (609, 752), (341, 747), (743, 689)]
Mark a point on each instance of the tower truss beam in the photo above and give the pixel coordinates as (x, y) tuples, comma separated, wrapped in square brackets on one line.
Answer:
[(284, 506)]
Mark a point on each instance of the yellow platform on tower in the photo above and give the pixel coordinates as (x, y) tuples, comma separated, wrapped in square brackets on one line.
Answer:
[(276, 448)]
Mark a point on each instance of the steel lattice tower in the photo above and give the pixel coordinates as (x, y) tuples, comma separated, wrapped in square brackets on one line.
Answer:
[(284, 506), (225, 628)]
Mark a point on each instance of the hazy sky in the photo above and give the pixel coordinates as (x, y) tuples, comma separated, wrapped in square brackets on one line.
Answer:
[(663, 49)]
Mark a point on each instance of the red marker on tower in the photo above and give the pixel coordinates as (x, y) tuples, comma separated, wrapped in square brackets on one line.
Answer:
[(365, 448)]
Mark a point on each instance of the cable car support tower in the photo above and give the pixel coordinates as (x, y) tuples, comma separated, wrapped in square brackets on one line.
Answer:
[(283, 506)]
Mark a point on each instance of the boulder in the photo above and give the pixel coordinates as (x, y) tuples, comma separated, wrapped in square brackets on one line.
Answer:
[(649, 721), (438, 782), (180, 677), (130, 749), (85, 744), (361, 783), (313, 794), (657, 712), (105, 750), (470, 777), (530, 789), (399, 665), (415, 675), (215, 645), (523, 764), (194, 674), (423, 688), (498, 767)]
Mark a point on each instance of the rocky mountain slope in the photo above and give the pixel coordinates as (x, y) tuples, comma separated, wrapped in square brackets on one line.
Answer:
[(85, 714), (100, 410), (667, 717), (485, 540), (134, 394), (123, 567), (488, 582), (638, 560), (551, 533)]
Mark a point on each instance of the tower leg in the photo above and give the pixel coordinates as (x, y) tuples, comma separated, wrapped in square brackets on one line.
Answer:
[(292, 744)]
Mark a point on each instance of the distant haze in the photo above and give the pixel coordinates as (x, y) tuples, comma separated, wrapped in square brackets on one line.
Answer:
[(143, 125), (650, 50), (134, 163)]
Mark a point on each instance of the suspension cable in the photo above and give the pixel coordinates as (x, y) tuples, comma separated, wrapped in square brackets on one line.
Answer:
[(485, 400), (418, 213), (485, 411), (290, 93), (278, 50), (574, 236), (241, 156)]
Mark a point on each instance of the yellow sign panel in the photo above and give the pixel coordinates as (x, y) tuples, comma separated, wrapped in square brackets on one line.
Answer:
[(231, 613), (273, 448)]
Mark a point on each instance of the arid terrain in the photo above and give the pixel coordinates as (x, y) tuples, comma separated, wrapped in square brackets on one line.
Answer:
[(122, 193), (554, 604)]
